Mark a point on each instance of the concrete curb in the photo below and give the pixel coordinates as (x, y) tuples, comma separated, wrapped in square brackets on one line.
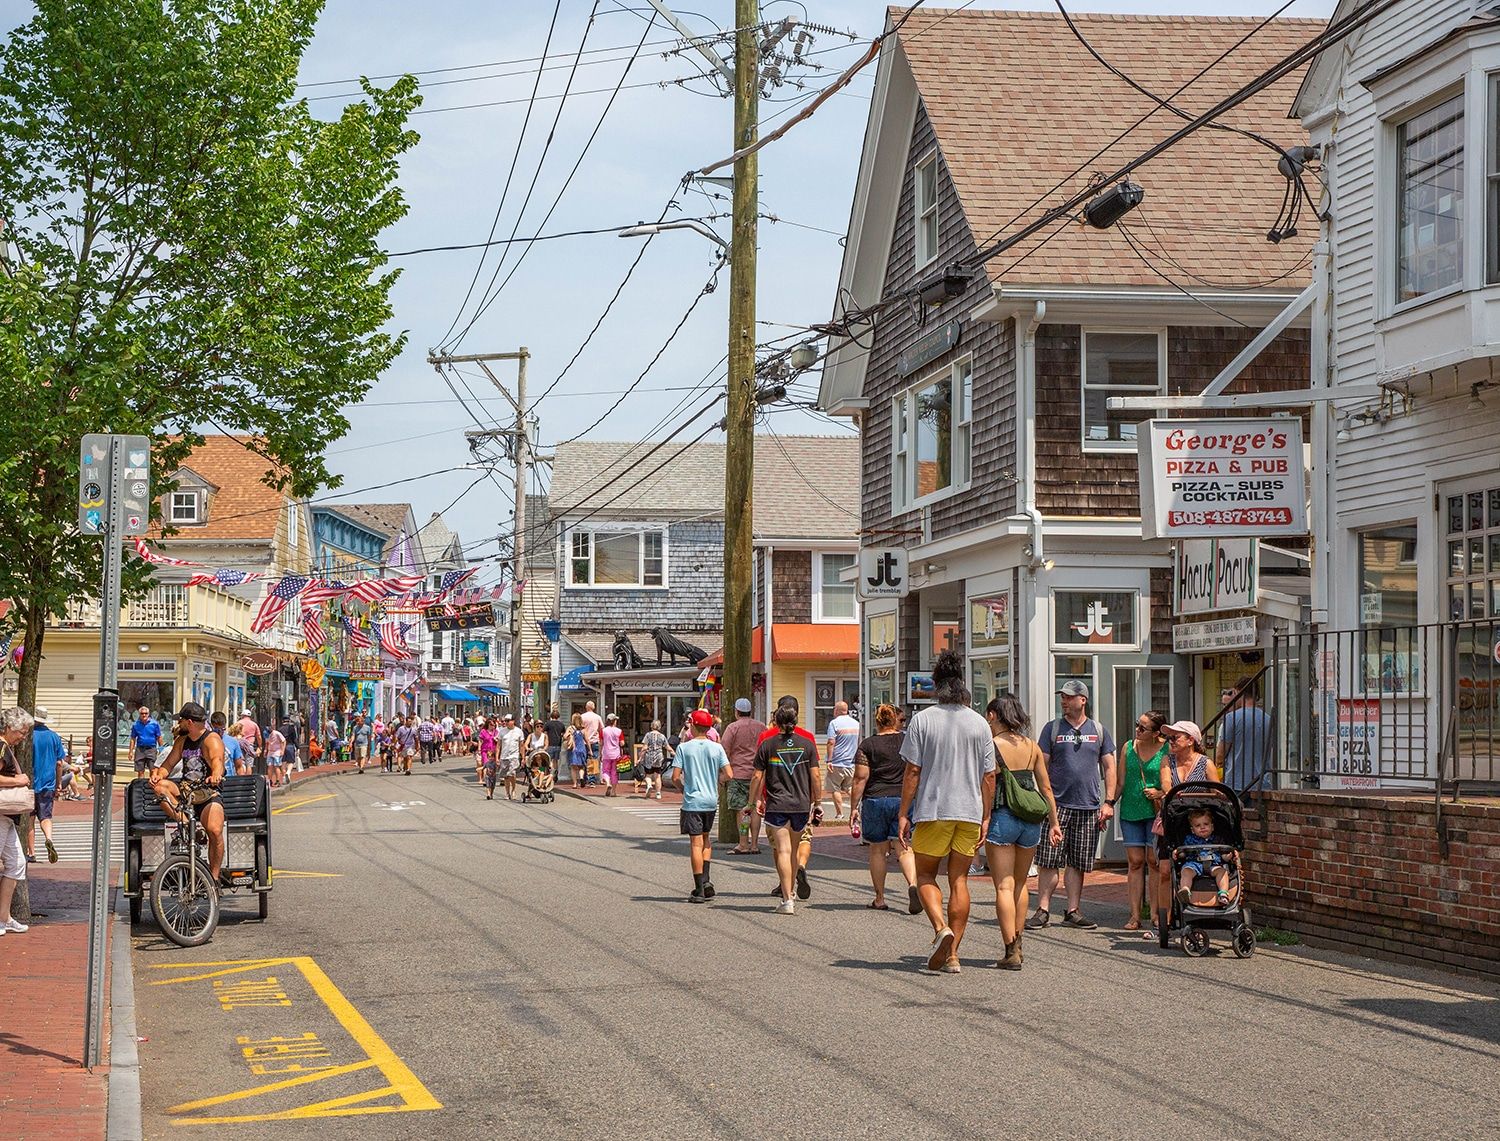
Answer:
[(307, 776), (123, 1117)]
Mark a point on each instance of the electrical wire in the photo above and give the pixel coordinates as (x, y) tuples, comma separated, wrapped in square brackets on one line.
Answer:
[(672, 336), (660, 83), (487, 297), (568, 181), (533, 238), (1191, 296), (514, 162)]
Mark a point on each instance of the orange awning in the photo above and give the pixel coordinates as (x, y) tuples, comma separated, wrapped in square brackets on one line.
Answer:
[(814, 640), (804, 641)]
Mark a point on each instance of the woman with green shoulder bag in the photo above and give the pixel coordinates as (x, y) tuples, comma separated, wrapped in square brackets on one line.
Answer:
[(1023, 801)]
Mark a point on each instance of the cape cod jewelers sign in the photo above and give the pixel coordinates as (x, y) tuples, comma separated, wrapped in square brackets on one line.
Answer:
[(1226, 478)]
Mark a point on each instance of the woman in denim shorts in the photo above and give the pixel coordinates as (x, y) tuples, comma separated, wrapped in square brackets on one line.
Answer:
[(876, 797), (1010, 841), (1142, 776)]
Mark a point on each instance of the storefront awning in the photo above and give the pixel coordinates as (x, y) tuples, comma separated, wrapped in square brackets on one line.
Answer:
[(573, 679), (454, 693), (491, 689), (801, 641)]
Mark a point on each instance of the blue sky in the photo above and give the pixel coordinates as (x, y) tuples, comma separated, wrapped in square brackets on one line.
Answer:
[(409, 423)]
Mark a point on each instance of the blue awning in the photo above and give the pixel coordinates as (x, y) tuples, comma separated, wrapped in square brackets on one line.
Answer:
[(494, 689), (455, 694), (573, 679)]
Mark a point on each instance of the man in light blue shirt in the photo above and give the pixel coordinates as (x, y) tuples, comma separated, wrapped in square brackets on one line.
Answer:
[(698, 768)]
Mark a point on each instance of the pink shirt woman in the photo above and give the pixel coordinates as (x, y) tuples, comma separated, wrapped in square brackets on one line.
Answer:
[(611, 748)]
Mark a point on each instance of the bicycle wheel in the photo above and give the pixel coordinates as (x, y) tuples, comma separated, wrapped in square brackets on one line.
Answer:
[(185, 901)]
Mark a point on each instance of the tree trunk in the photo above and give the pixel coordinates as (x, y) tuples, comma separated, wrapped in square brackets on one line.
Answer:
[(31, 664)]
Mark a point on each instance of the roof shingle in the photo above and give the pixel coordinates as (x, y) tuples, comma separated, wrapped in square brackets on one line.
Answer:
[(242, 507), (1017, 102)]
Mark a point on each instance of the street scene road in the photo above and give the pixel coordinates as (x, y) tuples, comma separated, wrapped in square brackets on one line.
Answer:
[(521, 970)]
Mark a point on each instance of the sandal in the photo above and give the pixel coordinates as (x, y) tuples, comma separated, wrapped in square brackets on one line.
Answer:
[(873, 906), (1222, 898), (1132, 924)]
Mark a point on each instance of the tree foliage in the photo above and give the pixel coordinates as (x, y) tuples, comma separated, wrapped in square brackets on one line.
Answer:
[(197, 251)]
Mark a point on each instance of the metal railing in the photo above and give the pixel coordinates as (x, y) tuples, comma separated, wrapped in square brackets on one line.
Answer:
[(1390, 705), (171, 606)]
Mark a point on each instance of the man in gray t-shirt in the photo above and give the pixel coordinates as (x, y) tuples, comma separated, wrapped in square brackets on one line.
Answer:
[(946, 795), (1247, 745)]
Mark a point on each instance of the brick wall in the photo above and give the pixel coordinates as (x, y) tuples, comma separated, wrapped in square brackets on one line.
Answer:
[(791, 586), (1362, 873)]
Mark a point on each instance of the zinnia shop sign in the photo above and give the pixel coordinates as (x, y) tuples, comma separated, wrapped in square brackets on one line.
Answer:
[(1222, 478)]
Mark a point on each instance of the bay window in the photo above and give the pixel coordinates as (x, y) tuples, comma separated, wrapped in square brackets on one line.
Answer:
[(1430, 200)]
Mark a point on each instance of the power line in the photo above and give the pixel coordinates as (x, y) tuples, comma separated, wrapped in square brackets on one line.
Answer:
[(533, 238), (702, 293), (568, 181), (662, 83), (515, 160)]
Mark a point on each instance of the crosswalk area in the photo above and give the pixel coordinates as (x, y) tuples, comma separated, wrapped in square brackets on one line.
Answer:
[(74, 840), (653, 811)]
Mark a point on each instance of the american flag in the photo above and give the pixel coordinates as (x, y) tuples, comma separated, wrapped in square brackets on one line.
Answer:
[(225, 576), (393, 638), (312, 630), (151, 556), (319, 592), (454, 578), (357, 637), (276, 599), (374, 589)]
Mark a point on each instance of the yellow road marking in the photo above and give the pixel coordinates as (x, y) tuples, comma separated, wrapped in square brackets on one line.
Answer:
[(402, 1083), (308, 875), (300, 803)]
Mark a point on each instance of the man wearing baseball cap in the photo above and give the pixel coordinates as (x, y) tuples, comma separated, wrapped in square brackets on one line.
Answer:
[(699, 768), (200, 751), (740, 739), (48, 753), (1078, 751)]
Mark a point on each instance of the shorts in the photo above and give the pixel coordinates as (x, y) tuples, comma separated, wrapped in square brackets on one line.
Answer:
[(555, 752), (1008, 830), (594, 750), (1197, 867), (839, 779), (145, 758), (274, 760), (1080, 829), (736, 794), (44, 798), (877, 818), (408, 753), (12, 858), (361, 752), (697, 823), (796, 821), (939, 838), (1137, 833)]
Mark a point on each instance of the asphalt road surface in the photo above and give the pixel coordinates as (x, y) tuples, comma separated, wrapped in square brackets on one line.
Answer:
[(436, 965)]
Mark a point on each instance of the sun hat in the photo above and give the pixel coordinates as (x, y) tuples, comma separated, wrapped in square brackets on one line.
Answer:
[(40, 716)]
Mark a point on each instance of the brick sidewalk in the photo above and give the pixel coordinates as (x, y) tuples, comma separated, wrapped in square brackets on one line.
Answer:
[(47, 1093)]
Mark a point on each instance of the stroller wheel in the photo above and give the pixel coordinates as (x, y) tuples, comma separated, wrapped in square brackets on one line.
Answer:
[(1244, 941), (1194, 941), (1164, 927)]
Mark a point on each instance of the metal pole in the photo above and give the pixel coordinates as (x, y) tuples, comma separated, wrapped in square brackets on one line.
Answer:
[(518, 544), (739, 443), (109, 660)]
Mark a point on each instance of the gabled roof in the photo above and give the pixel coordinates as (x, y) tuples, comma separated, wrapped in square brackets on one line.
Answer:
[(437, 541), (242, 506), (805, 486), (383, 518), (1017, 103)]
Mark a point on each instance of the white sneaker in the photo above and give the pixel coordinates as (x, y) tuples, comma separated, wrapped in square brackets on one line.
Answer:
[(16, 925), (786, 907)]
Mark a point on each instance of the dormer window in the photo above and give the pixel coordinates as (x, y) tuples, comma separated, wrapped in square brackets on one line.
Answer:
[(185, 507)]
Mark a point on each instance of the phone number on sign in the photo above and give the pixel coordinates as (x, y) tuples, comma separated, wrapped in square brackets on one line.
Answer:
[(1232, 517)]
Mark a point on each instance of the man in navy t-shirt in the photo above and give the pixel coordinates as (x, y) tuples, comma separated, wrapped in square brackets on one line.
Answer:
[(47, 755), (1079, 752), (145, 740)]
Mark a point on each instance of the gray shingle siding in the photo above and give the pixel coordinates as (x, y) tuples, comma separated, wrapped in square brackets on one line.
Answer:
[(693, 600)]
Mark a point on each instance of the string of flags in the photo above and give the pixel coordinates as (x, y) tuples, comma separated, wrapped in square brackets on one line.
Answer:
[(312, 592)]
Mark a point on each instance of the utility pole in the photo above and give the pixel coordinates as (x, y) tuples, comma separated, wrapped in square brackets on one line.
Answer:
[(739, 421), (521, 453)]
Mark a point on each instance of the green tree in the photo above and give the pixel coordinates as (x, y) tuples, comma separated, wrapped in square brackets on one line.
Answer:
[(192, 248)]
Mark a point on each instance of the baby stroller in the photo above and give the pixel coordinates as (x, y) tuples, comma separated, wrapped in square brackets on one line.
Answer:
[(1202, 913), (539, 780)]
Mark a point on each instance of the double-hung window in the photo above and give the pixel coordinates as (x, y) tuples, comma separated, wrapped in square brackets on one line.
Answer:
[(1130, 363), (184, 507), (833, 599), (635, 557), (925, 208), (931, 437), (1430, 200)]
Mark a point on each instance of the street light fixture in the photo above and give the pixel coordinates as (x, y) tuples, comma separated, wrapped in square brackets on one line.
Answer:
[(649, 229)]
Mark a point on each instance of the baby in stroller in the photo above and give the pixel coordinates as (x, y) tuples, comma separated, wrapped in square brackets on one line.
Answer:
[(539, 778), (1209, 860)]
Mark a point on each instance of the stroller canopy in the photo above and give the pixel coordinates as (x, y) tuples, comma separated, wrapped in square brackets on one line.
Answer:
[(1184, 799)]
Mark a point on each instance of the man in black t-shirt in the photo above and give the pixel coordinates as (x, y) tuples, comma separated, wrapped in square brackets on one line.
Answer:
[(786, 768), (554, 728)]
